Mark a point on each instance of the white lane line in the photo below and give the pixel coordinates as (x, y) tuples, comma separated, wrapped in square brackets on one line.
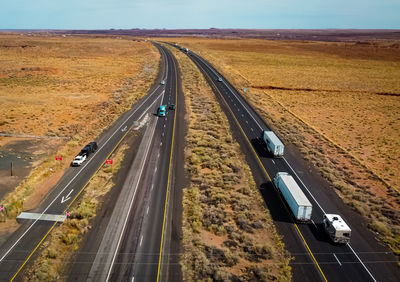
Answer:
[(158, 155), (152, 186), (164, 125), (130, 204), (247, 121), (273, 161), (155, 170), (160, 143), (79, 171), (312, 221), (242, 115), (303, 185), (373, 278), (141, 240), (133, 278), (337, 259), (232, 91), (162, 133), (147, 211), (252, 129)]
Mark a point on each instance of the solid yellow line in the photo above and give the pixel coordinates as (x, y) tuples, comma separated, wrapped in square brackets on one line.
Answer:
[(248, 141), (90, 179), (169, 172), (312, 255)]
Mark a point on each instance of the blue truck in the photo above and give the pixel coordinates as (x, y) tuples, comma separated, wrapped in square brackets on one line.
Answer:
[(294, 196), (162, 110)]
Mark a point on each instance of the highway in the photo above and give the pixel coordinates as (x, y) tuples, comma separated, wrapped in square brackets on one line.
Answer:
[(136, 241), (22, 245), (316, 258)]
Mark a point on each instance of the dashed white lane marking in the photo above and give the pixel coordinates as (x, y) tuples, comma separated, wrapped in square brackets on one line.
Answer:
[(312, 221), (337, 259), (164, 125), (162, 134), (133, 278), (252, 129), (147, 211), (141, 240), (152, 186), (247, 121), (155, 170), (158, 155), (273, 161), (242, 115), (160, 144)]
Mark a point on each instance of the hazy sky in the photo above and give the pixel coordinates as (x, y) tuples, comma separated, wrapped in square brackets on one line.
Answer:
[(105, 14)]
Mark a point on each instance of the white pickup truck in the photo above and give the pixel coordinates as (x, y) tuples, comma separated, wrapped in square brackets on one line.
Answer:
[(78, 160)]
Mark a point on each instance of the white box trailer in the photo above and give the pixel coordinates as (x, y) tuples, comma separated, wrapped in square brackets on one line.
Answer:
[(336, 228), (274, 145), (294, 196)]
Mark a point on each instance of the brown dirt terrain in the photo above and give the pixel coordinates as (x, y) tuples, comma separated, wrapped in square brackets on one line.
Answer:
[(73, 87), (227, 231), (337, 102)]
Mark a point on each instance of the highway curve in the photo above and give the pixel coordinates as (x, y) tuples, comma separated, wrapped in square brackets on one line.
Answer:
[(315, 256)]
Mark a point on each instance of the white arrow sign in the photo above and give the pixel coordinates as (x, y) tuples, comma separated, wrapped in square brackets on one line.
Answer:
[(124, 129), (67, 197)]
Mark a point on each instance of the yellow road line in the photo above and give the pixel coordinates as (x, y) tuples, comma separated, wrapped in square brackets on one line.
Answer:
[(265, 171), (169, 172), (65, 210)]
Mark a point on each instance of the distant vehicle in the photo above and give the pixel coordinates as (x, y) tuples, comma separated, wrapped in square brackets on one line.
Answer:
[(274, 145), (162, 111), (186, 50), (79, 159), (220, 79), (172, 107), (336, 228), (88, 149), (294, 196), (162, 82)]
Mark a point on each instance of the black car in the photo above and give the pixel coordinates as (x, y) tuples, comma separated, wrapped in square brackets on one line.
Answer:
[(172, 107), (88, 149)]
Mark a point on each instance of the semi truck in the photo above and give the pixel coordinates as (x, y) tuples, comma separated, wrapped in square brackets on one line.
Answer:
[(294, 196), (161, 112), (274, 145), (337, 229)]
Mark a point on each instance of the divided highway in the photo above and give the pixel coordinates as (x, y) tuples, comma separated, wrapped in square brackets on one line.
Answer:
[(315, 256), (21, 246)]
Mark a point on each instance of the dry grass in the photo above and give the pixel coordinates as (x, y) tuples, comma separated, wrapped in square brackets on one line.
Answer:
[(73, 86), (227, 231), (338, 103), (59, 247)]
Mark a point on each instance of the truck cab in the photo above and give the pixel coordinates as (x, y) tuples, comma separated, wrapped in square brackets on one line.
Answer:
[(162, 110), (336, 228)]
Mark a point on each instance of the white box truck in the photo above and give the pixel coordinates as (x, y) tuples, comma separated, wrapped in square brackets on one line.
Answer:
[(274, 145), (294, 196), (336, 228)]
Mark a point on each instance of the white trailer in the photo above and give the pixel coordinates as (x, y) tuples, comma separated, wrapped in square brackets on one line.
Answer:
[(274, 145), (336, 228), (294, 196)]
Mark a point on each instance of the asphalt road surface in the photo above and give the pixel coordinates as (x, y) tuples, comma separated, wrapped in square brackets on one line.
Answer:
[(135, 242), (19, 248), (315, 256)]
